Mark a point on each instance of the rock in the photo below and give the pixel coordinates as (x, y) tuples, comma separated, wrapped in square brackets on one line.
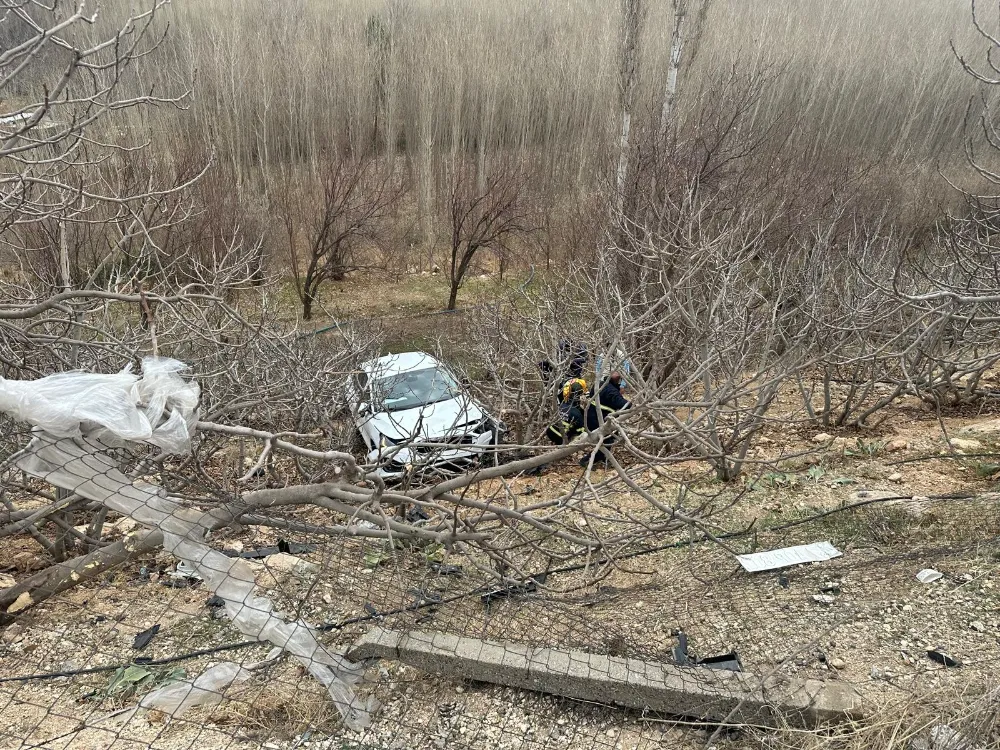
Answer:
[(983, 429), (896, 477), (822, 437), (285, 563), (824, 598), (837, 663), (12, 633), (965, 444), (896, 445), (978, 626), (6, 581), (435, 269)]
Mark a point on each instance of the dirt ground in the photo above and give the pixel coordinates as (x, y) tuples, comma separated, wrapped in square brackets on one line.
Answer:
[(872, 625)]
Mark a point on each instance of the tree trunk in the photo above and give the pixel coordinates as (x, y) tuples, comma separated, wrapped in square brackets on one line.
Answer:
[(628, 74), (307, 304), (453, 296), (676, 47)]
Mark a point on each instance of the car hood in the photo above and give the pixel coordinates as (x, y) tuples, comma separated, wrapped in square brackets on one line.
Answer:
[(439, 420)]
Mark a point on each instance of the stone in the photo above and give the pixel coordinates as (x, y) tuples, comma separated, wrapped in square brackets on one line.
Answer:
[(965, 444), (822, 437), (896, 445), (285, 563), (978, 626), (6, 581), (695, 692), (987, 429), (896, 477), (837, 663)]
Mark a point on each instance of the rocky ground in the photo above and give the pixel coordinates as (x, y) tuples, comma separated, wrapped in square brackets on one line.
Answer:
[(863, 618)]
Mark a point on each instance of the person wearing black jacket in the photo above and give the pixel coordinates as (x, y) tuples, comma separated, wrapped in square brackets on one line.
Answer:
[(609, 400), (571, 421)]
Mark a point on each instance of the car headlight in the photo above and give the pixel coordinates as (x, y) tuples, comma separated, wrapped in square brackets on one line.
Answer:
[(385, 441)]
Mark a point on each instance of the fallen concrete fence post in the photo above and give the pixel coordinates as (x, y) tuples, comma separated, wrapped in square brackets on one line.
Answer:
[(693, 692)]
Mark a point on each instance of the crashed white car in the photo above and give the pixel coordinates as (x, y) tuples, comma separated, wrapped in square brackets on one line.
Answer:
[(415, 417)]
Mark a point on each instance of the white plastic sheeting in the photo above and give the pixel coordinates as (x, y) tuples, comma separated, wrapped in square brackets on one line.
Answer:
[(160, 407), (79, 415)]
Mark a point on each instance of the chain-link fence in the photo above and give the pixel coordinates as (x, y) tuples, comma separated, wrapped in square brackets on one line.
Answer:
[(126, 625)]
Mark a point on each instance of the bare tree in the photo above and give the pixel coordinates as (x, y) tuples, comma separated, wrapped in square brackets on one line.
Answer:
[(331, 214), (487, 217)]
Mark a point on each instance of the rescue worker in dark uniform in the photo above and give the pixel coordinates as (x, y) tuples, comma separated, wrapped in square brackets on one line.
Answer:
[(609, 400), (571, 420)]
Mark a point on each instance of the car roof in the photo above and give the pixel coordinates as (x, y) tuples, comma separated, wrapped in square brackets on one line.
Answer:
[(394, 364)]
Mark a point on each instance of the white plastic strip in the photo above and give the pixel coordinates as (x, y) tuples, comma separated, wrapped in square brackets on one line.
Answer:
[(782, 558)]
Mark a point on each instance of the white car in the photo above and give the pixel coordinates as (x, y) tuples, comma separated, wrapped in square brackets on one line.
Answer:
[(415, 417)]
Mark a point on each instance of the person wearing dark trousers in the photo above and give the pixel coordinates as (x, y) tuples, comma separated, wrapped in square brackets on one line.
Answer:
[(571, 419), (608, 399)]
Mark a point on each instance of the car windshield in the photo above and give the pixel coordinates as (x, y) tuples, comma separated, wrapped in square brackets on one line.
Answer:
[(411, 389)]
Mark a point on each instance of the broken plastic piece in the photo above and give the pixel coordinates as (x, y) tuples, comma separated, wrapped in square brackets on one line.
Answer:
[(142, 639), (206, 690), (929, 575), (287, 548), (942, 658), (447, 570), (782, 558), (729, 662), (681, 650)]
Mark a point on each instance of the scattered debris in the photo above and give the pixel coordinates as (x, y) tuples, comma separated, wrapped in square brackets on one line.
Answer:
[(929, 575), (729, 662), (782, 558), (184, 574), (783, 581), (422, 597), (283, 547), (512, 591), (681, 649), (215, 601), (142, 639), (824, 598), (942, 658), (447, 570)]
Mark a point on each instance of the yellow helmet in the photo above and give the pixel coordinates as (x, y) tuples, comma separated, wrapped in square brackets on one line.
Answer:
[(573, 386)]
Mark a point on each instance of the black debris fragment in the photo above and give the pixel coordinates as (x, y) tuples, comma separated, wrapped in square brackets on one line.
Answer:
[(142, 639), (942, 658), (681, 649), (447, 570)]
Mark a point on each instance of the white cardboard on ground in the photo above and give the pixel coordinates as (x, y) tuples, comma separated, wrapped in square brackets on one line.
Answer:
[(782, 558)]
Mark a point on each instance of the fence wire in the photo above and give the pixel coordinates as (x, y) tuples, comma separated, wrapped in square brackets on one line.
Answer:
[(446, 657)]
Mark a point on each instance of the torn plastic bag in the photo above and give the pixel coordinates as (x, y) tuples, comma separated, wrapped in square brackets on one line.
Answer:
[(159, 407), (206, 690)]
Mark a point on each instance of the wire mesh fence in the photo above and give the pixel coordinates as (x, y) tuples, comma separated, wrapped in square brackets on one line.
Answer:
[(286, 627)]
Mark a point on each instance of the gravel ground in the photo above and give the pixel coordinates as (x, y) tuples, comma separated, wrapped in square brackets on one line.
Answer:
[(873, 632)]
